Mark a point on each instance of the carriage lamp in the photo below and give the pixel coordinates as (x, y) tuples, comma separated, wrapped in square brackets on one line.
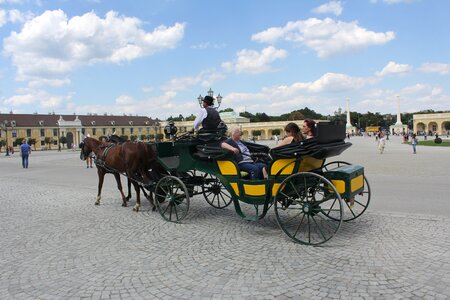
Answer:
[(211, 94)]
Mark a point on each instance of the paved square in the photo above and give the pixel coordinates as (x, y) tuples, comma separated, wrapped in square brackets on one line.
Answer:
[(55, 244)]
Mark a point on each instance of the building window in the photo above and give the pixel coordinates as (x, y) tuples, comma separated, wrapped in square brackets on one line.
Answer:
[(434, 127), (14, 133), (148, 130), (123, 131), (42, 143), (104, 131), (55, 132), (131, 130), (140, 130), (113, 131), (83, 131), (28, 133), (42, 132), (94, 131)]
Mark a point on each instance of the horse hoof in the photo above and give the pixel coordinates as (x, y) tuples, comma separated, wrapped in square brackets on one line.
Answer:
[(153, 208), (97, 203), (124, 204), (136, 209)]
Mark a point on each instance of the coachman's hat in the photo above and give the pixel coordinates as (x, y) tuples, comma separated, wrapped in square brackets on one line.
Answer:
[(209, 100)]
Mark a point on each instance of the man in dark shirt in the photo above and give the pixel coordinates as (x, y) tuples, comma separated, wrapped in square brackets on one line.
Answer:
[(25, 151), (208, 117)]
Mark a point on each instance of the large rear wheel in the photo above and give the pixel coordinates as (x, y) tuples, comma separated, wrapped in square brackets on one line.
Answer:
[(301, 205), (215, 192), (172, 198), (356, 206)]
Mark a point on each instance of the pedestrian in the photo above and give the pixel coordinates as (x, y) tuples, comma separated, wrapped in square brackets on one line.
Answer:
[(25, 151), (381, 142), (414, 143)]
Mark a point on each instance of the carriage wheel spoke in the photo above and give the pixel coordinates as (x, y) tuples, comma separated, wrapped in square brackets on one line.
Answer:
[(318, 227), (299, 225), (309, 231)]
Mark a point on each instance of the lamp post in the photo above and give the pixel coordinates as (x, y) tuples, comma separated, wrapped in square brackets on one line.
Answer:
[(156, 125), (59, 144), (211, 94), (5, 126)]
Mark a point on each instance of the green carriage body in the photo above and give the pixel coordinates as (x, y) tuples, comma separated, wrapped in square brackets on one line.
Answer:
[(347, 181)]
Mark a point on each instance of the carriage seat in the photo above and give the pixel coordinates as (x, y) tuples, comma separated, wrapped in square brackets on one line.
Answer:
[(212, 135)]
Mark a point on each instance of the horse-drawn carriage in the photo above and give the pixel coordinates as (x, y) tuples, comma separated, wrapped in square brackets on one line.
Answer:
[(311, 198)]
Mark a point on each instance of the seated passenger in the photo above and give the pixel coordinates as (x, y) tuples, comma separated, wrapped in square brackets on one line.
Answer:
[(292, 135), (309, 129), (242, 156)]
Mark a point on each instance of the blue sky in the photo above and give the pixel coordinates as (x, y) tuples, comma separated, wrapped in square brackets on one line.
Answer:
[(154, 58)]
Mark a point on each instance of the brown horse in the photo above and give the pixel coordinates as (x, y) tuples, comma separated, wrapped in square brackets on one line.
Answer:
[(133, 159)]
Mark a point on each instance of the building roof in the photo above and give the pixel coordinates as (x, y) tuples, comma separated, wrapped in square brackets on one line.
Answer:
[(51, 120)]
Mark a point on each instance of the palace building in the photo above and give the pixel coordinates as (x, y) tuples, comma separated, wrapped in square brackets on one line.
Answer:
[(47, 129), (431, 123)]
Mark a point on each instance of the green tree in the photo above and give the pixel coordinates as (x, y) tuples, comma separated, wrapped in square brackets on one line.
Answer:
[(159, 137), (256, 132), (296, 115), (229, 109), (48, 141), (18, 141), (124, 137), (63, 140), (150, 137), (133, 137), (33, 143), (190, 118), (2, 144), (276, 131)]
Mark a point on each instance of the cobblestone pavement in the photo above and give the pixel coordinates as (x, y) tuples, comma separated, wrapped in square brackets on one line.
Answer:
[(55, 244)]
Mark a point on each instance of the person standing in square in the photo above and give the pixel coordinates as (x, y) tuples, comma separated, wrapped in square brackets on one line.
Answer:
[(25, 151)]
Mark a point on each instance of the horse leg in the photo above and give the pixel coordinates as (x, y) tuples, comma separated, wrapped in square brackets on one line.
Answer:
[(101, 177), (119, 186), (149, 197), (129, 189), (137, 206)]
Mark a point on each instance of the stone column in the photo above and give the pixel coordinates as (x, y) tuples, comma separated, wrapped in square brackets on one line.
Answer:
[(348, 126), (399, 119)]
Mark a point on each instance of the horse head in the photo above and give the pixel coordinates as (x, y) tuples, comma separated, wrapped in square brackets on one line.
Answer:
[(87, 146)]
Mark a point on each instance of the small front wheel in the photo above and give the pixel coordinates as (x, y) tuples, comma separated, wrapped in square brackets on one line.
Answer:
[(215, 192), (172, 198), (301, 204)]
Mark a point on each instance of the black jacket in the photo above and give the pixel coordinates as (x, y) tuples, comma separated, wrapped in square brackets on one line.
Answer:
[(212, 119)]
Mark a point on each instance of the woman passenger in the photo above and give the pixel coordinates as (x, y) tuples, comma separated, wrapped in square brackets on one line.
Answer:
[(292, 135), (309, 129)]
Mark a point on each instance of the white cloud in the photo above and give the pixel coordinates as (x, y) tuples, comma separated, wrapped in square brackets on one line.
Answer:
[(42, 99), (50, 46), (205, 78), (333, 7), (435, 68), (3, 18), (397, 1), (251, 61), (206, 45), (11, 1), (392, 1), (327, 37), (392, 68)]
